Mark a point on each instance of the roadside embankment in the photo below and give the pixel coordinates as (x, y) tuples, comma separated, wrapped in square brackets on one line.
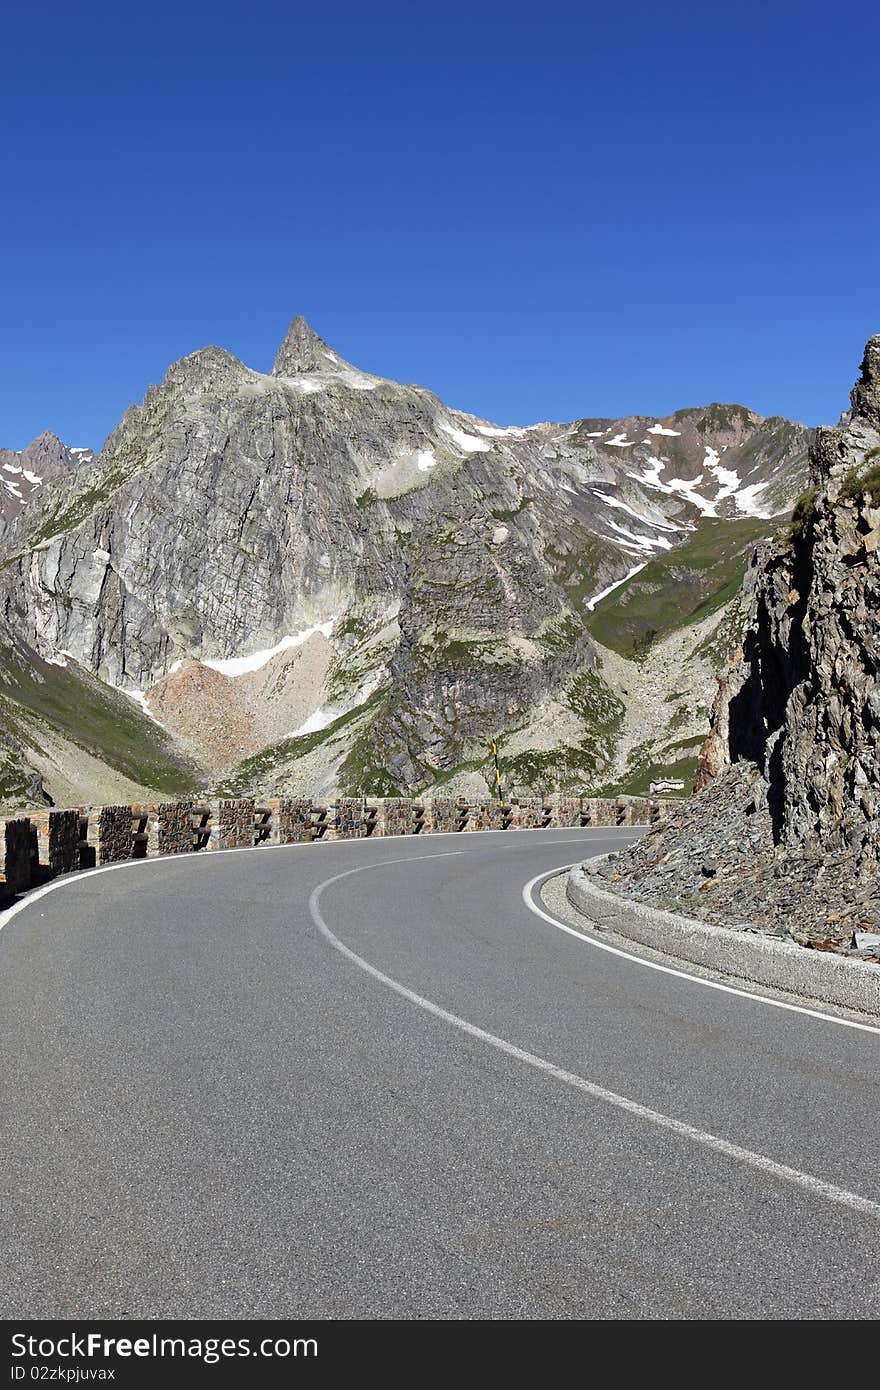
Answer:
[(746, 956)]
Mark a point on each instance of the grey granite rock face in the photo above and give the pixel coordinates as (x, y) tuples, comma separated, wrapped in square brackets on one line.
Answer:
[(234, 508), (803, 700), (788, 814)]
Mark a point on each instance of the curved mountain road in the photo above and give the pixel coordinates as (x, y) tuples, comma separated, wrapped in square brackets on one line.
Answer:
[(364, 1080)]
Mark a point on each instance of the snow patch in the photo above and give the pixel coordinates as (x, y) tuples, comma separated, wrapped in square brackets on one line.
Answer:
[(241, 665), (597, 598), (746, 499), (356, 381), (33, 478), (624, 507), (661, 429), (140, 698), (315, 722), (496, 432), (728, 479), (643, 542), (306, 384), (425, 460), (619, 441), (468, 443), (683, 487)]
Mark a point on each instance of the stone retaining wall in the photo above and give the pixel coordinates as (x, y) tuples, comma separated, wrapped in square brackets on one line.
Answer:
[(396, 816), (19, 837), (175, 822), (236, 824), (349, 819), (115, 834), (60, 841), (572, 810), (64, 851), (529, 813), (485, 815), (295, 820), (443, 815)]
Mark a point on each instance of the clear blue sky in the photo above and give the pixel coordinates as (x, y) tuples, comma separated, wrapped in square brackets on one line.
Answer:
[(538, 211)]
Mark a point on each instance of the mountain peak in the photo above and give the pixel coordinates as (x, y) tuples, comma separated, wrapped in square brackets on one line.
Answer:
[(302, 351)]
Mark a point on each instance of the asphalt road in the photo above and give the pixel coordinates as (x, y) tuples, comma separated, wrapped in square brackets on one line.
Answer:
[(403, 1100)]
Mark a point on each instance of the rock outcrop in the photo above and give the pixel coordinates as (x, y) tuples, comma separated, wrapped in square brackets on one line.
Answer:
[(790, 772)]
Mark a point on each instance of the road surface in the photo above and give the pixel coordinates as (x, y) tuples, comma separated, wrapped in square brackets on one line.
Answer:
[(364, 1080)]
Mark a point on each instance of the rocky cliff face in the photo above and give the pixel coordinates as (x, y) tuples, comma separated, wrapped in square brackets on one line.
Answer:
[(802, 701), (791, 768), (457, 565)]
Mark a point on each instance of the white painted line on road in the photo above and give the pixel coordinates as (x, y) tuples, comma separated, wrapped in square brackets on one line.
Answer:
[(755, 995), (817, 1187)]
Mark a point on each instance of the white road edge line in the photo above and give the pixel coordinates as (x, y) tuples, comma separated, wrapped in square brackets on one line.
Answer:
[(817, 1187), (755, 995)]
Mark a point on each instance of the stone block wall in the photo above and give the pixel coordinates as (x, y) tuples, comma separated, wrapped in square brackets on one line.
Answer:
[(485, 815), (64, 853), (236, 824), (442, 814), (528, 813), (53, 842), (175, 826), (115, 834), (349, 822), (396, 816), (20, 845), (599, 811), (294, 820), (565, 810)]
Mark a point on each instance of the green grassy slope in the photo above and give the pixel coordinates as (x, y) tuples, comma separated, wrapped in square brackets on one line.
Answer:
[(42, 703), (678, 588)]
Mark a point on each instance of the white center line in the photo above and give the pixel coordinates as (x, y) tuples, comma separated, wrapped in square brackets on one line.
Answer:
[(817, 1187)]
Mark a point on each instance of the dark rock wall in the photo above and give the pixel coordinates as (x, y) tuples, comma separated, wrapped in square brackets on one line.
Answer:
[(801, 700)]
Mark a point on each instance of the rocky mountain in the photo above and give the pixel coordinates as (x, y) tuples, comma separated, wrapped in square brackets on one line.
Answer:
[(466, 580), (22, 472), (785, 831)]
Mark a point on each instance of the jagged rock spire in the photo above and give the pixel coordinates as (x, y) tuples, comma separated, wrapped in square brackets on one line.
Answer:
[(840, 448), (303, 351), (865, 395)]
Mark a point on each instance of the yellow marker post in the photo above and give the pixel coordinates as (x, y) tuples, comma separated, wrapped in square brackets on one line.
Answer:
[(497, 773)]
